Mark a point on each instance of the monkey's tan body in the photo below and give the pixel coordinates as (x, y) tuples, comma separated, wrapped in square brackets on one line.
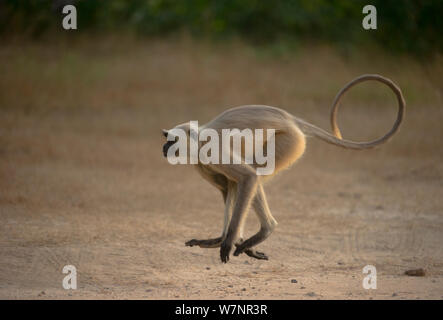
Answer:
[(290, 141), (241, 187)]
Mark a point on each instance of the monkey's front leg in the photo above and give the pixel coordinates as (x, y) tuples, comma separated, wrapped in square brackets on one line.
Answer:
[(246, 188), (228, 197)]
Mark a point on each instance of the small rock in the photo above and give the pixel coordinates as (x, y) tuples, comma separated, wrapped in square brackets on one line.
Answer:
[(230, 286), (340, 263), (394, 294), (244, 289), (302, 287), (294, 281), (208, 268), (379, 207), (415, 272), (311, 294)]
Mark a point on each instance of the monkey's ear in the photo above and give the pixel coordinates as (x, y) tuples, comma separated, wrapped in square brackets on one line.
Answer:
[(165, 133)]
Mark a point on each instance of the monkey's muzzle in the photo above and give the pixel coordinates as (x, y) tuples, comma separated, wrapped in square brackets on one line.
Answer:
[(166, 147)]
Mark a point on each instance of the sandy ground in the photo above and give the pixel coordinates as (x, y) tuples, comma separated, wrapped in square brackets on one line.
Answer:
[(88, 186)]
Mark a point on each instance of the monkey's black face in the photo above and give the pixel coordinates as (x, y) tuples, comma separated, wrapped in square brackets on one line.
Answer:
[(166, 147), (168, 144)]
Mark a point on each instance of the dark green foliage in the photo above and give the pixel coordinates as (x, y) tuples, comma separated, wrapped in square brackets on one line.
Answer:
[(408, 25)]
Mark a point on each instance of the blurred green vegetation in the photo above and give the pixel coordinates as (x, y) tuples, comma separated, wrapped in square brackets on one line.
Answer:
[(412, 26)]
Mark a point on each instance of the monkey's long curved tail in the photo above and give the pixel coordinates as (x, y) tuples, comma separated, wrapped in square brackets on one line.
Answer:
[(336, 138)]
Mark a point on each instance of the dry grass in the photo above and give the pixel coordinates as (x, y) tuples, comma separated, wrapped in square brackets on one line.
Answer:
[(197, 81)]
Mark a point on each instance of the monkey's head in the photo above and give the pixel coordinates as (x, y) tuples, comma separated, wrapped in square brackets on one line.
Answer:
[(182, 131), (168, 143)]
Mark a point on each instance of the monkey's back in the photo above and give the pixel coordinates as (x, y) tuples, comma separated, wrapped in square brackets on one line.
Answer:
[(252, 117), (289, 139)]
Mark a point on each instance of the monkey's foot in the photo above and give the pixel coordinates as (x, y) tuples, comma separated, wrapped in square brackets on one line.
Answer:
[(256, 254), (250, 252), (207, 243)]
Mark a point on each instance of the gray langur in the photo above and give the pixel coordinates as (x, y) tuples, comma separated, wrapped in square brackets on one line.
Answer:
[(239, 184)]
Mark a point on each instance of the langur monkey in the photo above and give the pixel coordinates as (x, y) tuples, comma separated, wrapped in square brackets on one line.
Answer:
[(239, 184)]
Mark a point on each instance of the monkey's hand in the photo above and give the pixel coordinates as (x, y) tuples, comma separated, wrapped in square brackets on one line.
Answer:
[(225, 250)]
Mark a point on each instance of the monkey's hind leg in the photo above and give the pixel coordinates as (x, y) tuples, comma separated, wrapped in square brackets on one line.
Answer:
[(267, 223)]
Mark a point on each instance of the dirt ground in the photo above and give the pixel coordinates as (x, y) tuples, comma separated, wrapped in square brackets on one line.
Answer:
[(83, 181)]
